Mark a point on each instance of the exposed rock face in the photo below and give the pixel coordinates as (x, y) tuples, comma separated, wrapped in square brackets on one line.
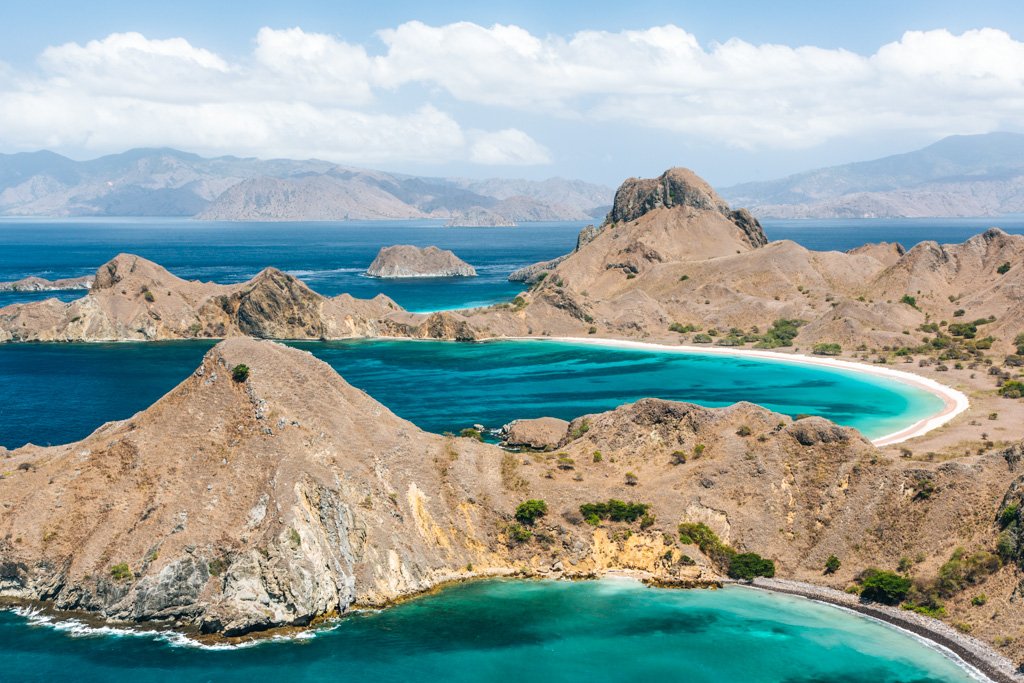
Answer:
[(38, 284), (132, 298), (405, 260), (679, 187), (239, 506), (540, 434), (532, 273)]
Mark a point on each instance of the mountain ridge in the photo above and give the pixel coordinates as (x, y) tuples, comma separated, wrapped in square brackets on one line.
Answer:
[(960, 175), (168, 182)]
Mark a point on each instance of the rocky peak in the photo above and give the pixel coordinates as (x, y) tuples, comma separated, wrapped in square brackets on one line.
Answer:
[(131, 268), (679, 187)]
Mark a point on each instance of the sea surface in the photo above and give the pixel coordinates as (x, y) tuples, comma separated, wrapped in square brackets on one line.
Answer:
[(507, 630), (610, 630), (446, 386), (331, 256)]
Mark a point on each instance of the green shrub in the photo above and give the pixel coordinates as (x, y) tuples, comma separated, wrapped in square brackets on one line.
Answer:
[(1003, 269), (965, 330), (747, 566), (240, 372), (827, 349), (781, 333), (832, 564), (1012, 389), (121, 572), (614, 510), (702, 338), (909, 300), (580, 430), (883, 586), (470, 433), (530, 511), (1008, 515), (703, 537), (681, 329), (517, 533), (744, 430), (979, 600)]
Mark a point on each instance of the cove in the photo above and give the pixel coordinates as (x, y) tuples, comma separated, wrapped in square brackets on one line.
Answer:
[(588, 632), (57, 393)]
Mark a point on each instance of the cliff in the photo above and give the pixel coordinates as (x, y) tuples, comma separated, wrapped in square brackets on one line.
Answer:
[(405, 260), (244, 500)]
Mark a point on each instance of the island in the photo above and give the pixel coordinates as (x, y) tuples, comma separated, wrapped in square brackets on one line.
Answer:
[(407, 261)]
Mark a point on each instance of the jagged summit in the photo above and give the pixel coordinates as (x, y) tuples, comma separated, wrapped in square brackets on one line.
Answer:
[(678, 187)]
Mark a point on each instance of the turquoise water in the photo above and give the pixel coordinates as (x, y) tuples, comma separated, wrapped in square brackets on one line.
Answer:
[(445, 386), (511, 631), (521, 631)]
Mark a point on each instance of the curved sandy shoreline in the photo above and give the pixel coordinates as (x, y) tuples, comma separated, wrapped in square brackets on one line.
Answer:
[(954, 402), (970, 653)]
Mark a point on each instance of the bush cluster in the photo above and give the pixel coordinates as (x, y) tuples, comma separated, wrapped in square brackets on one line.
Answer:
[(530, 511), (614, 511)]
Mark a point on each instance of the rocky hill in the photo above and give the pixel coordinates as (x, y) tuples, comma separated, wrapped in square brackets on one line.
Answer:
[(135, 299), (265, 491), (672, 262), (406, 260), (673, 254), (962, 175), (167, 182)]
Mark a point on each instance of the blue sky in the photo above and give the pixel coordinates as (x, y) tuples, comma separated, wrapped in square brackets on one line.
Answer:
[(593, 90)]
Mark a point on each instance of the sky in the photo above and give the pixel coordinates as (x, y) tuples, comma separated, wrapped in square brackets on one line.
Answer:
[(737, 91)]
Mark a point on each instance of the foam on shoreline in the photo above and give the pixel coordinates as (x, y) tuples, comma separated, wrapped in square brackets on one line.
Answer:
[(954, 401)]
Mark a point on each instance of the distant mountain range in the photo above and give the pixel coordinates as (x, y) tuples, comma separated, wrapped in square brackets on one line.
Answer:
[(168, 182), (961, 175)]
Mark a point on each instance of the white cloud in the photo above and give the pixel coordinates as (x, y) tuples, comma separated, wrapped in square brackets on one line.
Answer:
[(509, 147), (734, 92), (308, 94)]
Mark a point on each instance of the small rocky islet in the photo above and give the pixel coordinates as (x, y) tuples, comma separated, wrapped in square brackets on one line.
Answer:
[(408, 261), (342, 503)]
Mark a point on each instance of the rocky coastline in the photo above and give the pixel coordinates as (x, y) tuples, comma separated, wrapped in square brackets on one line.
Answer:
[(38, 284)]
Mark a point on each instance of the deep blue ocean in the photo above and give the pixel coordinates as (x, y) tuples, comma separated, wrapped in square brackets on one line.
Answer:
[(331, 257), (515, 631)]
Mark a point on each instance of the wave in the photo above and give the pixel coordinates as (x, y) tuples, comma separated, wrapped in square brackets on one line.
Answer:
[(76, 628)]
